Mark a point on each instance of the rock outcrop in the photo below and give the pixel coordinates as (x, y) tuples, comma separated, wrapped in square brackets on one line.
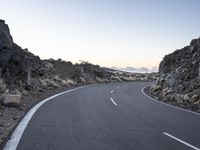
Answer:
[(12, 100), (179, 77), (6, 43), (6, 40)]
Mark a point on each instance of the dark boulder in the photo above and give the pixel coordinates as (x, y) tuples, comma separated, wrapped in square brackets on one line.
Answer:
[(6, 43), (6, 40)]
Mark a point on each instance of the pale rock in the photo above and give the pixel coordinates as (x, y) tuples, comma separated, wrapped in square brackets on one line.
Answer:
[(186, 97), (197, 102), (82, 80), (12, 100), (155, 88), (99, 80), (71, 82), (194, 98)]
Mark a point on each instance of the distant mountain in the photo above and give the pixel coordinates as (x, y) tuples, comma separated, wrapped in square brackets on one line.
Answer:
[(154, 69), (138, 70), (130, 69)]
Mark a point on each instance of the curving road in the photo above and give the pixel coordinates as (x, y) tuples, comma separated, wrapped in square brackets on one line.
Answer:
[(115, 116)]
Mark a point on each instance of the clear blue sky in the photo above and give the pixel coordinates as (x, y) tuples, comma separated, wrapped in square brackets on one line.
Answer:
[(107, 32)]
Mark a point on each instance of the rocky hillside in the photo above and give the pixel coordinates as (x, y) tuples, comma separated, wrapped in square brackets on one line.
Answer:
[(179, 77), (22, 71), (25, 79)]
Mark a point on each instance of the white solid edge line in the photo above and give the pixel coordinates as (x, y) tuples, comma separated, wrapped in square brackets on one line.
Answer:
[(168, 104), (14, 140), (111, 91), (113, 101), (181, 141)]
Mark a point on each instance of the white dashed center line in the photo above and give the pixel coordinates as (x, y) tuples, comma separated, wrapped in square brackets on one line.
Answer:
[(111, 91), (181, 141), (113, 101)]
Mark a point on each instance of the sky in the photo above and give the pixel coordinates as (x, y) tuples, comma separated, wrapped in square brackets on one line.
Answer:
[(120, 33)]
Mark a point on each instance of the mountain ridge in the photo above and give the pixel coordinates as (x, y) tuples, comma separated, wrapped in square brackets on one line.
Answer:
[(137, 69)]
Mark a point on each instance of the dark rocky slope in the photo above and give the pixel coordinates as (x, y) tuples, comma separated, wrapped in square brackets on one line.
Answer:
[(179, 77)]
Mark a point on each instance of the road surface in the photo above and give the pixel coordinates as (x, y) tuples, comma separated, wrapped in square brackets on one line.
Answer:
[(116, 116)]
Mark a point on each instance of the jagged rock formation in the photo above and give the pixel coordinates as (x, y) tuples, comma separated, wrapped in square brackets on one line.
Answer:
[(179, 77), (6, 43), (6, 39)]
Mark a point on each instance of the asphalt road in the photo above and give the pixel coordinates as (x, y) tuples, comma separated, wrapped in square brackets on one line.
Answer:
[(115, 116)]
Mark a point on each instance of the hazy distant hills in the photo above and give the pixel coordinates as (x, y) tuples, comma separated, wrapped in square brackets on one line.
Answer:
[(138, 70)]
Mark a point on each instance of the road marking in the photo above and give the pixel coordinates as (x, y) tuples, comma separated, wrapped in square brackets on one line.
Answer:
[(168, 104), (111, 91), (14, 140), (181, 141), (117, 87), (113, 101)]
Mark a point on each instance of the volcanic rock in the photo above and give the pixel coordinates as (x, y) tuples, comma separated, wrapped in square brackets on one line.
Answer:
[(180, 72)]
